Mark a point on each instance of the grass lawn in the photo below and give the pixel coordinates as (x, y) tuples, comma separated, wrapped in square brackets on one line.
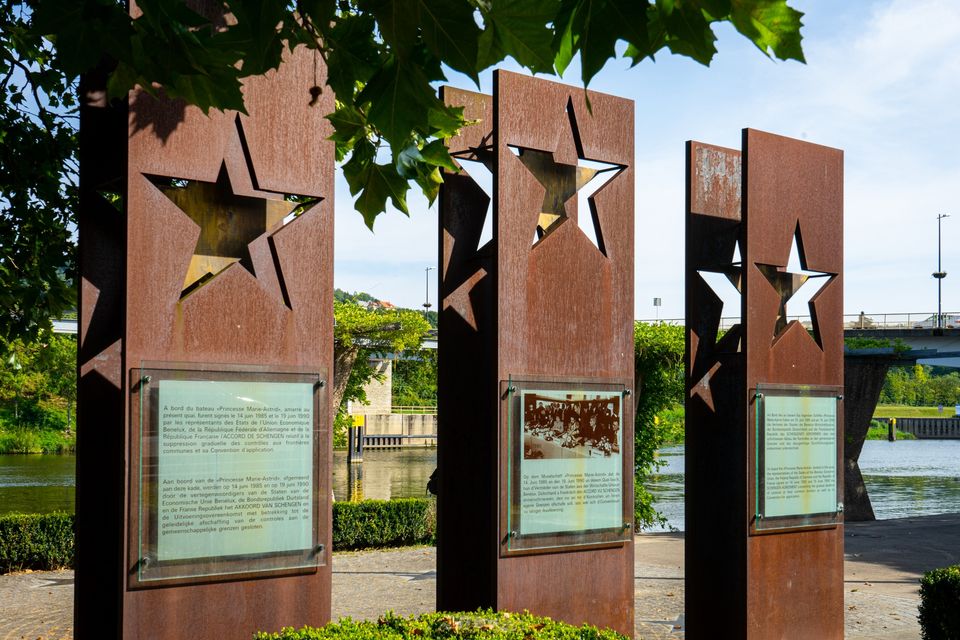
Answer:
[(903, 411)]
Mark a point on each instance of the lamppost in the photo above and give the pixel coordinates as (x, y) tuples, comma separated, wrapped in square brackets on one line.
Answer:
[(426, 301), (939, 274)]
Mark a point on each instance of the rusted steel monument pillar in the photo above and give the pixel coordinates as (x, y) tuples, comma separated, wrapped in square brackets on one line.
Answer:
[(203, 497), (536, 361), (764, 410)]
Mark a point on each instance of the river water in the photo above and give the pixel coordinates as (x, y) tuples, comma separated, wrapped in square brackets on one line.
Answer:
[(905, 478)]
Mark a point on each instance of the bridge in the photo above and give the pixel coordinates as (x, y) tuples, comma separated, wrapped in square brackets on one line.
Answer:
[(917, 332)]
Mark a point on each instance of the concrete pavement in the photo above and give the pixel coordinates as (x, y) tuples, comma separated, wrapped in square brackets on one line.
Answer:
[(884, 561)]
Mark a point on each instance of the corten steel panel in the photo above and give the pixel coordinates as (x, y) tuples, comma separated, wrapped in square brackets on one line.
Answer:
[(782, 584), (564, 309), (791, 185), (715, 515), (467, 441), (276, 311), (561, 309)]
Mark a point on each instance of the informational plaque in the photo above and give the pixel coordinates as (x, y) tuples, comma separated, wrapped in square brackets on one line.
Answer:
[(228, 472), (797, 461), (567, 467)]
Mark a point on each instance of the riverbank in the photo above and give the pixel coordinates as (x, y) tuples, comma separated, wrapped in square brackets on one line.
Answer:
[(882, 566)]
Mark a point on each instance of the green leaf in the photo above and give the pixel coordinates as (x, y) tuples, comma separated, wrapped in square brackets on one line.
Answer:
[(408, 161), (450, 32), (348, 123), (255, 32), (688, 33), (517, 28), (429, 183), (437, 154), (400, 99), (445, 121), (593, 27), (771, 25), (353, 55), (375, 183)]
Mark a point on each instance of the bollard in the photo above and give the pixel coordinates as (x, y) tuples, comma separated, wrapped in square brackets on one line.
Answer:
[(892, 430), (355, 440)]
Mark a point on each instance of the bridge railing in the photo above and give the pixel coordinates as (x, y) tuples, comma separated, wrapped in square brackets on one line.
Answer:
[(912, 320)]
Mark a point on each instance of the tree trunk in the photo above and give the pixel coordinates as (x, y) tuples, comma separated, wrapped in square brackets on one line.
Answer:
[(343, 359)]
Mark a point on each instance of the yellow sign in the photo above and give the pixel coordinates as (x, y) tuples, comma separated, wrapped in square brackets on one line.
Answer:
[(358, 420)]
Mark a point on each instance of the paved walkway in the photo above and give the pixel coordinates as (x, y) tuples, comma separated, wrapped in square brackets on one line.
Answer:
[(884, 561)]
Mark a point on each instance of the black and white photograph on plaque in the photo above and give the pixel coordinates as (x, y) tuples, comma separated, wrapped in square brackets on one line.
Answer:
[(570, 424)]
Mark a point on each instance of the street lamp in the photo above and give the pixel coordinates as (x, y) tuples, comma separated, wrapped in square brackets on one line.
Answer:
[(940, 274), (426, 302)]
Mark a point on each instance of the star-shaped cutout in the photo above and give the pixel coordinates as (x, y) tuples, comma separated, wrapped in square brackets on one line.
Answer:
[(725, 282), (228, 223), (562, 181), (478, 164), (788, 280)]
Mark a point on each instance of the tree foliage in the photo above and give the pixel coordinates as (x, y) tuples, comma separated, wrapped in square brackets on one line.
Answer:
[(359, 333), (385, 59), (38, 164), (38, 393), (415, 379), (658, 368), (920, 385)]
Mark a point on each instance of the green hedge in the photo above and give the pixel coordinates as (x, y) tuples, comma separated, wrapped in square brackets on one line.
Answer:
[(940, 604), (36, 541), (46, 541), (482, 624), (383, 523)]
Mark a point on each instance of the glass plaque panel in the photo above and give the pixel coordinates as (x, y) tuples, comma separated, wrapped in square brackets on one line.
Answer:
[(798, 482), (228, 479), (566, 466)]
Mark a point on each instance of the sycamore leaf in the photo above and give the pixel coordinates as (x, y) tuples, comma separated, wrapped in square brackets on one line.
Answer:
[(407, 161), (375, 183), (400, 98), (429, 183), (352, 55), (255, 32), (593, 27), (445, 121), (689, 34), (451, 34), (348, 123), (771, 25), (437, 154), (517, 28)]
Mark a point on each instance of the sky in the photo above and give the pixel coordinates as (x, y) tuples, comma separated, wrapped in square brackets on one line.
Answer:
[(881, 82)]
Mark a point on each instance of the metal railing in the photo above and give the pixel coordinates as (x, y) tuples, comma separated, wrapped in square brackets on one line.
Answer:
[(414, 409), (879, 321)]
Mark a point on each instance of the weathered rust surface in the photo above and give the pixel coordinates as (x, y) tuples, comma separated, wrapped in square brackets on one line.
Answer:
[(269, 307), (560, 308), (787, 584)]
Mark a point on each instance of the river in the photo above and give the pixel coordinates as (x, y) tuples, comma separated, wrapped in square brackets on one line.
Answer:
[(905, 478)]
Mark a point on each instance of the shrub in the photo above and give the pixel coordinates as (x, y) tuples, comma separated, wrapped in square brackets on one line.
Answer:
[(36, 541), (46, 541), (940, 604), (383, 523), (487, 624)]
